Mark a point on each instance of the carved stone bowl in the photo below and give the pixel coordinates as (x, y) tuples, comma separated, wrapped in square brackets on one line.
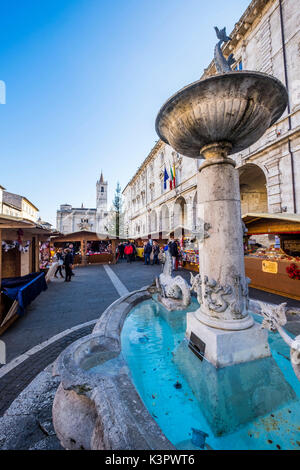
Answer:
[(236, 107)]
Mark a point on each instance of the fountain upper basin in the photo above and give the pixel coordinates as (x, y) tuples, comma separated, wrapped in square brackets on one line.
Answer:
[(236, 107)]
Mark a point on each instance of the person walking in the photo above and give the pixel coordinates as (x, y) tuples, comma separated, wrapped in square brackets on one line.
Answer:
[(121, 248), (134, 252), (60, 259), (68, 262), (156, 251), (117, 253), (72, 250), (128, 251), (174, 252), (147, 252)]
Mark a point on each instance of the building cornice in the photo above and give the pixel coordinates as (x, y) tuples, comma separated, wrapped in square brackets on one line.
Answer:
[(157, 147), (172, 196), (30, 203), (269, 146)]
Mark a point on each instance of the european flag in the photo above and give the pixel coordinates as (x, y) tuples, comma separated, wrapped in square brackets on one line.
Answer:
[(166, 177)]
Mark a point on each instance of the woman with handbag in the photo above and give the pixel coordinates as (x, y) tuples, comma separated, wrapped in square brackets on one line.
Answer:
[(60, 259)]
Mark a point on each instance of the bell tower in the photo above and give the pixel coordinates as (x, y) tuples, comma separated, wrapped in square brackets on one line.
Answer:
[(101, 192), (101, 204)]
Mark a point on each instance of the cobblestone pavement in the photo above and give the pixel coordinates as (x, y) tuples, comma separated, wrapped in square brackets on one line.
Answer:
[(62, 307), (12, 383)]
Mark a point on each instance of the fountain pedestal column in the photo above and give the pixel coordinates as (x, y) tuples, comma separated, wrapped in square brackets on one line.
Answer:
[(222, 322)]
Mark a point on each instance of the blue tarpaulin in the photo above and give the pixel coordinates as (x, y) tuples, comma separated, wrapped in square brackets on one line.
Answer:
[(24, 289)]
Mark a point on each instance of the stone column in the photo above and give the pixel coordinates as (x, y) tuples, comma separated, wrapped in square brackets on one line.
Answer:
[(223, 322), (224, 286), (189, 211)]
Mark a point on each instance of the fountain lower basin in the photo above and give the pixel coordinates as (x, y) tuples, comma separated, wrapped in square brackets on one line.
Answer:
[(252, 405), (96, 405), (134, 384)]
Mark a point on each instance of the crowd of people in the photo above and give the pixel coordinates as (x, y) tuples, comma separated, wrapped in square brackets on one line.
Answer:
[(126, 251), (152, 252)]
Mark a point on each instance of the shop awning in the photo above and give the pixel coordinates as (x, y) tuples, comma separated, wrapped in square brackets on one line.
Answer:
[(180, 231), (264, 223), (9, 222), (82, 235)]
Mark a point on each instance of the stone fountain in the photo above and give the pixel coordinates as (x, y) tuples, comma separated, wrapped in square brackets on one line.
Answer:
[(214, 118)]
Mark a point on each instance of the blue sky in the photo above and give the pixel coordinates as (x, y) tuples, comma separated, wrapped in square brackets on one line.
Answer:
[(84, 82)]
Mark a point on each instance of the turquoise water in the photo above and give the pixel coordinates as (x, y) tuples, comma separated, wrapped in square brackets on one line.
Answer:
[(247, 406)]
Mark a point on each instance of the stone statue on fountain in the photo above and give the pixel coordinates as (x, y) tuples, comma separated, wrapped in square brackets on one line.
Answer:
[(174, 292)]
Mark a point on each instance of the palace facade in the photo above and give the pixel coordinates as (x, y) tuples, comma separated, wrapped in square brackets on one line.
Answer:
[(266, 39)]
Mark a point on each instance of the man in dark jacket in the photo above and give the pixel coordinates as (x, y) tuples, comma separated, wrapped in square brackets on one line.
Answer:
[(147, 252), (121, 250), (174, 252), (155, 250), (72, 250), (134, 252), (68, 264)]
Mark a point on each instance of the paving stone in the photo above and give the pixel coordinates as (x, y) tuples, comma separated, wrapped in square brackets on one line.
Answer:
[(61, 306), (19, 433), (49, 443), (18, 378), (27, 423)]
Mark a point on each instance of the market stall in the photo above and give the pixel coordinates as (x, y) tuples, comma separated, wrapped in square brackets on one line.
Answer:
[(274, 268), (20, 260), (188, 248), (190, 254), (88, 247), (139, 243)]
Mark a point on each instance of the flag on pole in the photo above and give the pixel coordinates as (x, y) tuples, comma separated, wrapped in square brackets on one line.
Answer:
[(166, 177), (174, 176), (171, 177)]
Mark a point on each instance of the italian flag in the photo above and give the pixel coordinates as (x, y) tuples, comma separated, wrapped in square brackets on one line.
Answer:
[(173, 179)]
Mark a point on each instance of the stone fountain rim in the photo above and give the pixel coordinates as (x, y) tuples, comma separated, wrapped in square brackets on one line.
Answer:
[(106, 334), (220, 76)]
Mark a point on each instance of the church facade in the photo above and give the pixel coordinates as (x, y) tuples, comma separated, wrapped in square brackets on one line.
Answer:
[(74, 219)]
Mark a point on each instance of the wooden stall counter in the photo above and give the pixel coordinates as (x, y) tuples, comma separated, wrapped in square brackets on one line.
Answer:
[(272, 276), (99, 258)]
